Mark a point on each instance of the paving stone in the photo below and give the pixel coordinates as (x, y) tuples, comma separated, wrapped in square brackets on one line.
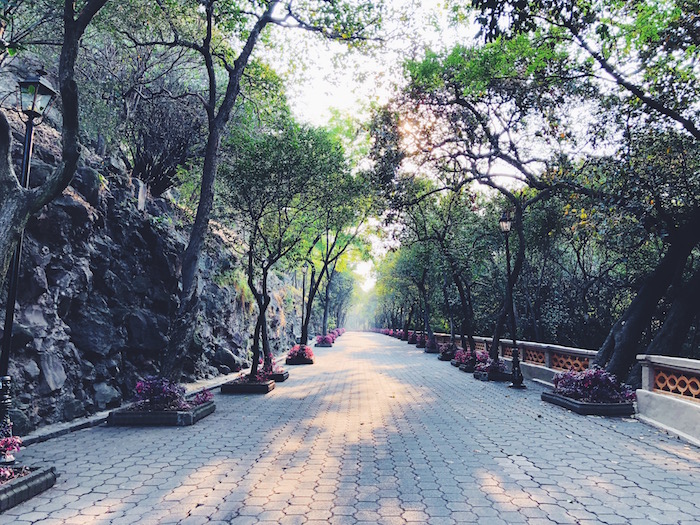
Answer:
[(374, 432)]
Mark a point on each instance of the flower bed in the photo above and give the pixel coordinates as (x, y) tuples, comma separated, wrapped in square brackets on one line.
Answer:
[(247, 385), (300, 355), (591, 392), (325, 341), (431, 346), (447, 352), (160, 402)]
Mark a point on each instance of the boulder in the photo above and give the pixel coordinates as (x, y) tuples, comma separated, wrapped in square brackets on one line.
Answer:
[(224, 356), (106, 396), (53, 374)]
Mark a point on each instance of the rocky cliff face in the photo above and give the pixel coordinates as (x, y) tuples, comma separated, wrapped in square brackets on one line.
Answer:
[(97, 293)]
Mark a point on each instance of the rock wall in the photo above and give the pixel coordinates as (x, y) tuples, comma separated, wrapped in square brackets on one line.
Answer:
[(97, 293)]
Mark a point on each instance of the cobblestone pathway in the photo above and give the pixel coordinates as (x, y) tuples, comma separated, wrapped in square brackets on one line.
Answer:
[(376, 432)]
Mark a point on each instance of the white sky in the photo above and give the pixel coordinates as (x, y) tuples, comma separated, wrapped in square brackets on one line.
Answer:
[(327, 77)]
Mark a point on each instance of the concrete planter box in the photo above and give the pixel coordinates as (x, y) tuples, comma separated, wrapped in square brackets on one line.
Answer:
[(324, 345), (466, 367), (21, 489), (280, 377), (500, 377), (432, 350), (589, 409), (447, 356), (166, 418), (299, 361), (455, 363), (248, 387)]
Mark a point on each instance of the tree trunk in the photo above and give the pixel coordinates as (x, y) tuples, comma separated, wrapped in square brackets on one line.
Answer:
[(307, 314), (620, 348), (327, 294), (407, 324), (669, 340), (174, 355)]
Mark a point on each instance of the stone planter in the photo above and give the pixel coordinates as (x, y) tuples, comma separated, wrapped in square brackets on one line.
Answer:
[(431, 350), (500, 377), (299, 361), (466, 367), (324, 345), (455, 363), (166, 418), (446, 356), (280, 377), (420, 345), (21, 489), (248, 387), (589, 409)]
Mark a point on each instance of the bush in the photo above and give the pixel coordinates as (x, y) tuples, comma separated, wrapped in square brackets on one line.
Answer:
[(325, 339), (594, 385), (158, 393), (301, 351)]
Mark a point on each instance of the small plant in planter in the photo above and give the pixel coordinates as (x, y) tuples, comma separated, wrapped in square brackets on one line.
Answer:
[(431, 346), (460, 358), (325, 341), (8, 446), (592, 391), (300, 355), (447, 352), (487, 369), (272, 372), (159, 401)]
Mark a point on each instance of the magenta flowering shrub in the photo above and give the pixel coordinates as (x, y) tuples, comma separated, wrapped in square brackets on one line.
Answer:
[(10, 444), (594, 385), (461, 357), (325, 339), (300, 351), (158, 393), (10, 473), (412, 338), (485, 364), (202, 397)]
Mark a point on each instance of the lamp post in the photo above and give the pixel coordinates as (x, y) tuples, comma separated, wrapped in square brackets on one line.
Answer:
[(35, 97), (505, 224)]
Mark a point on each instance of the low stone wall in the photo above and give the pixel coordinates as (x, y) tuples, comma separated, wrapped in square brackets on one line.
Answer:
[(670, 395)]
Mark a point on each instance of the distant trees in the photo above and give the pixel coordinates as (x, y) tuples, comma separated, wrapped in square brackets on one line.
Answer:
[(269, 184), (601, 162)]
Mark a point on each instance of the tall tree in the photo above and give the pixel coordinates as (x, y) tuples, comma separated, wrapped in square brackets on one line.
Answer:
[(225, 35), (266, 187)]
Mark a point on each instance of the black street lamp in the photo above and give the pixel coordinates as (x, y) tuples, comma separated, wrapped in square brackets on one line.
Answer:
[(35, 97), (505, 224)]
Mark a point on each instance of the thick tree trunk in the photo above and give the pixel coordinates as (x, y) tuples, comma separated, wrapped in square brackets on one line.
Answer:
[(327, 299), (174, 355), (669, 340), (407, 324), (620, 348), (307, 314), (181, 335)]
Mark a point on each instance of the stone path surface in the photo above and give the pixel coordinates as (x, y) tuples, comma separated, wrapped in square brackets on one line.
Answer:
[(376, 432)]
